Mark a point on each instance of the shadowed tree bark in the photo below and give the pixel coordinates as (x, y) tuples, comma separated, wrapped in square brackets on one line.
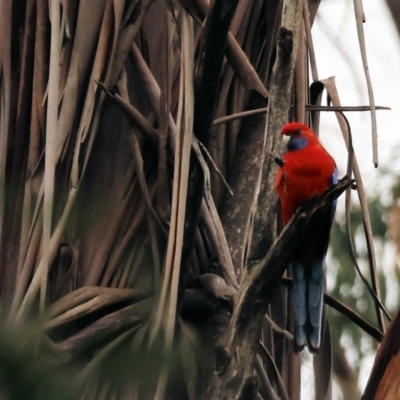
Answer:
[(384, 382)]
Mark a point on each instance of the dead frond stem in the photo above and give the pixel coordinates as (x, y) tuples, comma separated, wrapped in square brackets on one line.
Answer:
[(308, 107), (334, 96), (360, 19)]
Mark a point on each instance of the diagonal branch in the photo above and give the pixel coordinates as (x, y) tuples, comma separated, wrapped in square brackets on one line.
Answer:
[(259, 284)]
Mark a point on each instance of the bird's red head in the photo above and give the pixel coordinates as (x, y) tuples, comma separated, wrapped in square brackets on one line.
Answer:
[(294, 128), (299, 130)]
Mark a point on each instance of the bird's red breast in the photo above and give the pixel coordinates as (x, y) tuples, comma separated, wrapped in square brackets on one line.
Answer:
[(307, 169)]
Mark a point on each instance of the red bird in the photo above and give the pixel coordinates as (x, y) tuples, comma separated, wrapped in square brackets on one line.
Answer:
[(307, 170)]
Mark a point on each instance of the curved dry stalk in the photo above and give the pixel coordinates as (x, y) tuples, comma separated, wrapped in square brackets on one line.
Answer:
[(271, 366), (5, 113), (344, 108), (309, 41), (211, 161), (29, 254), (354, 317), (223, 251), (132, 113), (138, 161), (353, 258), (34, 286), (234, 53), (266, 387), (167, 306), (155, 248), (51, 140), (330, 86), (105, 329), (300, 83), (89, 108), (126, 33), (348, 224), (153, 92), (360, 19), (87, 300), (238, 17), (150, 84), (241, 65)]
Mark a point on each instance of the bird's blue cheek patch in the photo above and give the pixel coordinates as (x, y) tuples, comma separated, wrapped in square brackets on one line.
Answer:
[(297, 143)]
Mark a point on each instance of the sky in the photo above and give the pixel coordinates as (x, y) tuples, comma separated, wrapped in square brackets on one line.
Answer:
[(338, 54)]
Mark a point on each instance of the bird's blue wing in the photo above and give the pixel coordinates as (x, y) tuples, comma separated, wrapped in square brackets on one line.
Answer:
[(333, 181), (316, 278)]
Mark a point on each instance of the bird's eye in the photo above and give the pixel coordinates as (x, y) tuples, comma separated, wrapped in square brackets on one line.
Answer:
[(297, 132)]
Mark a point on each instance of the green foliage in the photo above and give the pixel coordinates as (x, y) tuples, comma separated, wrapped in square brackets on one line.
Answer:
[(348, 286), (31, 366), (28, 371)]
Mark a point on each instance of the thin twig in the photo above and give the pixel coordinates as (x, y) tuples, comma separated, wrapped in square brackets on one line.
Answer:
[(132, 113), (273, 368), (239, 115), (264, 381), (360, 18), (353, 316), (54, 242), (214, 166), (344, 108), (367, 236), (309, 41), (224, 254), (309, 107), (165, 313), (353, 258), (334, 97)]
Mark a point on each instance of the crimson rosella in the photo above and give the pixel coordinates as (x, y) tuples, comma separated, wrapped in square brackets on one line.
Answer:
[(307, 170)]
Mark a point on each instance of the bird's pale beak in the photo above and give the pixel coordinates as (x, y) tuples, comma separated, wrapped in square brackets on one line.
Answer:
[(285, 139)]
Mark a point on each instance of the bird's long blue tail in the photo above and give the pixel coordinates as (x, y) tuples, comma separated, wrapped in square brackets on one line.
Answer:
[(308, 300)]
